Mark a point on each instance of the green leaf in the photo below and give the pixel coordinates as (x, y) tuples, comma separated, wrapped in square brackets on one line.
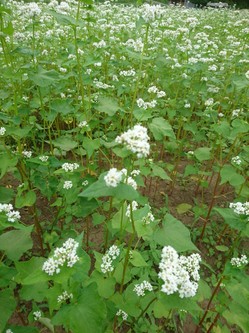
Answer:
[(229, 174), (183, 208), (7, 307), (65, 143), (86, 315), (157, 171), (25, 199), (137, 260), (175, 234), (62, 106), (6, 164), (30, 271), (108, 105), (99, 189), (6, 194), (202, 154), (16, 242), (91, 145), (7, 275), (161, 128), (36, 292), (44, 78), (231, 218), (222, 248)]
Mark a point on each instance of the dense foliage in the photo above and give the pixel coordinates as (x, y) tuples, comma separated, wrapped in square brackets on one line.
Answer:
[(124, 168)]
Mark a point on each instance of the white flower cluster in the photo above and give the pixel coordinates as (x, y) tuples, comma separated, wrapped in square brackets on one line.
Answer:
[(240, 208), (83, 124), (108, 258), (151, 12), (27, 153), (37, 315), (238, 262), (236, 160), (247, 75), (179, 273), (100, 44), (129, 73), (146, 105), (67, 184), (123, 314), (8, 331), (113, 177), (136, 140), (131, 207), (64, 297), (148, 218), (44, 158), (155, 90), (142, 287), (66, 253), (209, 102), (70, 167), (2, 131), (33, 9), (12, 215), (236, 113)]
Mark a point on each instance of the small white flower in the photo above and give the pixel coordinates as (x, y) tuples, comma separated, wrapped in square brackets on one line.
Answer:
[(209, 102), (113, 177), (247, 75), (123, 314), (37, 315), (8, 331), (44, 158), (238, 262), (67, 184), (142, 287), (64, 297), (85, 183), (108, 258), (70, 167), (2, 131), (83, 124), (27, 153), (236, 160)]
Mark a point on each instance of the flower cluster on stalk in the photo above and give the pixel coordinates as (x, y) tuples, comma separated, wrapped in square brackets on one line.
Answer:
[(136, 140), (65, 254), (140, 289), (179, 273), (239, 262), (107, 259), (11, 214)]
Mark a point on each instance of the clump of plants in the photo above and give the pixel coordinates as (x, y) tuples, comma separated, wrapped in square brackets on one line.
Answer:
[(124, 180)]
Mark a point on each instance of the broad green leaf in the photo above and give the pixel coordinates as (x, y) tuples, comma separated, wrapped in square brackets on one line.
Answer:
[(90, 145), (16, 242), (86, 315), (108, 105), (183, 208), (30, 272), (25, 199), (7, 307), (237, 316), (137, 260), (44, 78), (6, 194), (229, 174), (106, 285), (7, 163), (222, 248), (7, 275), (99, 189), (232, 219), (62, 106), (161, 128), (65, 143), (202, 154), (36, 292), (157, 171), (175, 234)]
